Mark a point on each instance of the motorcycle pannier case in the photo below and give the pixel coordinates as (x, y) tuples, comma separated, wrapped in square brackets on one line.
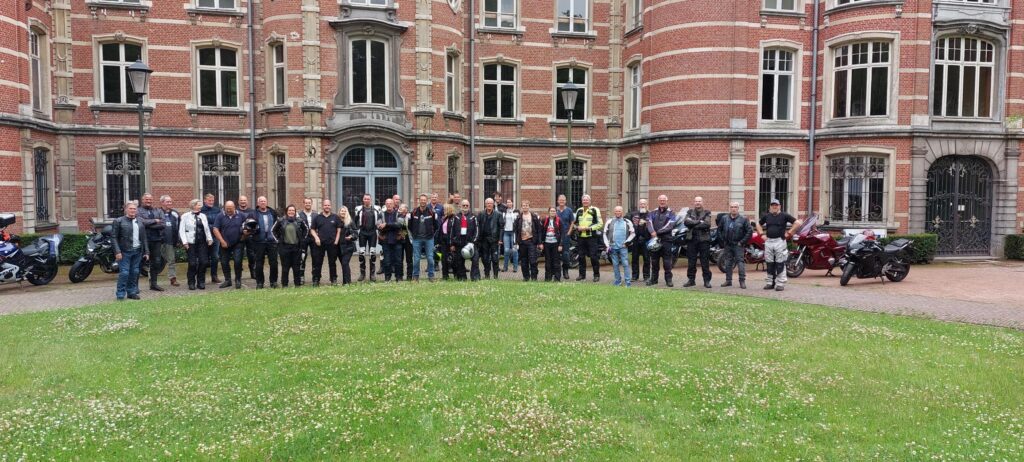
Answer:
[(6, 219)]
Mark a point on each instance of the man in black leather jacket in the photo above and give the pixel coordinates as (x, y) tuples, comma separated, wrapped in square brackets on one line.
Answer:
[(491, 224), (130, 249), (153, 218), (698, 222)]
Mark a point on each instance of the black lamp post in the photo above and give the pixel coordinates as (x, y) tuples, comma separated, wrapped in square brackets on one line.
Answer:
[(569, 95), (138, 75)]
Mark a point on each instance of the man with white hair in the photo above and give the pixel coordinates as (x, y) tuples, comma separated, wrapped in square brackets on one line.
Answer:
[(588, 224), (734, 230)]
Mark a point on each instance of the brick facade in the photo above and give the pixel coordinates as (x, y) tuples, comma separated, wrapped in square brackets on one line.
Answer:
[(700, 131)]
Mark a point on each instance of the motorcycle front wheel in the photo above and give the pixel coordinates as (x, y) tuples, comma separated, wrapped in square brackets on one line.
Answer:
[(80, 271), (848, 271), (723, 259), (44, 274), (795, 267), (574, 257)]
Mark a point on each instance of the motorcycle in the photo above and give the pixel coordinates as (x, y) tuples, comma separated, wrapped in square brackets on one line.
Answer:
[(753, 254), (99, 249), (35, 263), (866, 258), (816, 250)]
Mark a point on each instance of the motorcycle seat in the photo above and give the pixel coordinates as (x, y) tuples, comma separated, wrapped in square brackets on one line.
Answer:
[(844, 241), (892, 248), (31, 250)]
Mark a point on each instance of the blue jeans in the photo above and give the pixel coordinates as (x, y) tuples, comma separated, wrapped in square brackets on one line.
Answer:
[(128, 277), (620, 259), (393, 261), (424, 247), (508, 239)]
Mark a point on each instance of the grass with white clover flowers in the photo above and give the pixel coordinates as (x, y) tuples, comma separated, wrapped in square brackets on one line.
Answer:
[(502, 370)]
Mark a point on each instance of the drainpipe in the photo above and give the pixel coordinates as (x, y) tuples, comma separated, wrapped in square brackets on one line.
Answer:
[(814, 110), (252, 99), (472, 100)]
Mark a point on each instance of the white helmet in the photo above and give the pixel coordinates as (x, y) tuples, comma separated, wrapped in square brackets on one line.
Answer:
[(654, 244), (468, 251)]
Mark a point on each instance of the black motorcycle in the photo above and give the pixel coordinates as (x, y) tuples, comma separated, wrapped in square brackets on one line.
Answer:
[(99, 250), (868, 259), (35, 263)]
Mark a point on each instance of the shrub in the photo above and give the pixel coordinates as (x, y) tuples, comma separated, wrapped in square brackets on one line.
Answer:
[(72, 247), (922, 250), (1015, 246)]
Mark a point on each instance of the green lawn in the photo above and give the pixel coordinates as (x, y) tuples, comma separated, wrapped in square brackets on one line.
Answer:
[(503, 370)]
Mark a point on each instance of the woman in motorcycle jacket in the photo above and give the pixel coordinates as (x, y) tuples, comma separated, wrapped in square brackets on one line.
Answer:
[(196, 238), (290, 233), (347, 243)]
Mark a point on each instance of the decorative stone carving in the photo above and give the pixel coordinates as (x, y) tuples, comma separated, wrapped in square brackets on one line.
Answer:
[(455, 5), (968, 29)]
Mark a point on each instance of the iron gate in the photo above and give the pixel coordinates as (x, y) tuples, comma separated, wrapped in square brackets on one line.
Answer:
[(960, 205)]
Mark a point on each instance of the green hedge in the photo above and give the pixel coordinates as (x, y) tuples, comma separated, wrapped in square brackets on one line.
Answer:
[(1015, 246), (73, 246), (924, 246)]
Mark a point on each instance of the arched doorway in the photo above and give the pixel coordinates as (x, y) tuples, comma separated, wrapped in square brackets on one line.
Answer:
[(366, 169), (959, 205)]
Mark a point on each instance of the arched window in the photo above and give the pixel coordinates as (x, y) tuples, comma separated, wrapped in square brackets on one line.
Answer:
[(774, 182), (373, 170), (964, 69), (221, 178), (122, 180)]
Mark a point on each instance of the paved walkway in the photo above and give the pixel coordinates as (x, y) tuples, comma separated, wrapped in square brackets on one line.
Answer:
[(979, 293)]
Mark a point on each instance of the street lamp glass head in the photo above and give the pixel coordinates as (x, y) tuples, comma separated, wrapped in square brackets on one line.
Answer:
[(569, 95), (138, 75)]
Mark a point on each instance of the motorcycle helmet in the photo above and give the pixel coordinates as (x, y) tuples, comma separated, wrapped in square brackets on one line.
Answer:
[(250, 225), (654, 244), (468, 251)]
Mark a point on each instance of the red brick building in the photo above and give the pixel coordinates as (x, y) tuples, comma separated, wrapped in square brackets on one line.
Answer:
[(916, 105)]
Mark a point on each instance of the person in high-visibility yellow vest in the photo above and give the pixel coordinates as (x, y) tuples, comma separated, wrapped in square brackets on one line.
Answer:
[(588, 234)]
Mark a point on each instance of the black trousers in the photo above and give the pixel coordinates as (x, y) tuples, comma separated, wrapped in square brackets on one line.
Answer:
[(486, 254), (664, 258), (307, 251), (698, 250), (407, 253), (330, 252), (528, 254), (231, 254), (367, 245), (458, 264), (590, 247), (291, 261), (552, 262), (198, 260), (250, 256), (639, 251), (156, 261), (446, 262), (265, 251), (214, 259), (346, 271)]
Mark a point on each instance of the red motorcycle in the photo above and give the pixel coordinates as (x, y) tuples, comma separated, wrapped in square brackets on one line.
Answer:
[(816, 250), (753, 254)]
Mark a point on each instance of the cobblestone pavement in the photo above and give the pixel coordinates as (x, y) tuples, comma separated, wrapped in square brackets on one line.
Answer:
[(971, 292)]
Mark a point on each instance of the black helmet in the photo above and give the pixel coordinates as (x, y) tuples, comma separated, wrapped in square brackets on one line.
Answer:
[(250, 225)]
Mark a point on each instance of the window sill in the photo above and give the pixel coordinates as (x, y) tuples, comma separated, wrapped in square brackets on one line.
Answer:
[(859, 121), (575, 123), (276, 109), (789, 14), (866, 3), (217, 111), (777, 124), (496, 121), (501, 30), (635, 30), (44, 115), (97, 4), (589, 35), (453, 115), (109, 107), (45, 227), (197, 11), (839, 226)]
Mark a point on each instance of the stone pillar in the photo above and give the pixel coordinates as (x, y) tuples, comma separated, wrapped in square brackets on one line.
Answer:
[(737, 183), (28, 193), (424, 110), (645, 174), (614, 175), (65, 189), (312, 106), (918, 187), (1006, 194), (312, 165)]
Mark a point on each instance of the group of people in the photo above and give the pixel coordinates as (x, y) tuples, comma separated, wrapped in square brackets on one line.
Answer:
[(449, 234)]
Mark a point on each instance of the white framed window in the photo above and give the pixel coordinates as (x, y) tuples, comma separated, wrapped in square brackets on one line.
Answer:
[(860, 84), (278, 74), (774, 181), (500, 13), (218, 77), (368, 71), (368, 2), (36, 69), (634, 97), (573, 16), (114, 61), (858, 188), (216, 4), (964, 75), (636, 14), (572, 183), (122, 180), (451, 82), (500, 88), (789, 6), (500, 176), (777, 80), (220, 176), (578, 76)]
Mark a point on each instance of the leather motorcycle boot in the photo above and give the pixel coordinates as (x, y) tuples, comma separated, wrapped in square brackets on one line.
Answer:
[(156, 288), (238, 283), (743, 284), (362, 275), (727, 284), (690, 283), (707, 284), (373, 273), (174, 282), (225, 284)]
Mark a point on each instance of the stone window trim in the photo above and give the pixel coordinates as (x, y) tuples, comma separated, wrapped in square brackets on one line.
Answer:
[(118, 37), (993, 35), (138, 5), (194, 107), (366, 4), (833, 6), (42, 33), (518, 28), (370, 29), (588, 93), (589, 32), (795, 162), (828, 76), (219, 148), (796, 98), (517, 117), (455, 77), (51, 182), (825, 183), (627, 204), (101, 152), (270, 77), (271, 153), (500, 155), (798, 10), (193, 9), (454, 172)]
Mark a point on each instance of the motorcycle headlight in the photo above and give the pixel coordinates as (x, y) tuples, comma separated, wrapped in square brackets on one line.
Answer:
[(90, 246)]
